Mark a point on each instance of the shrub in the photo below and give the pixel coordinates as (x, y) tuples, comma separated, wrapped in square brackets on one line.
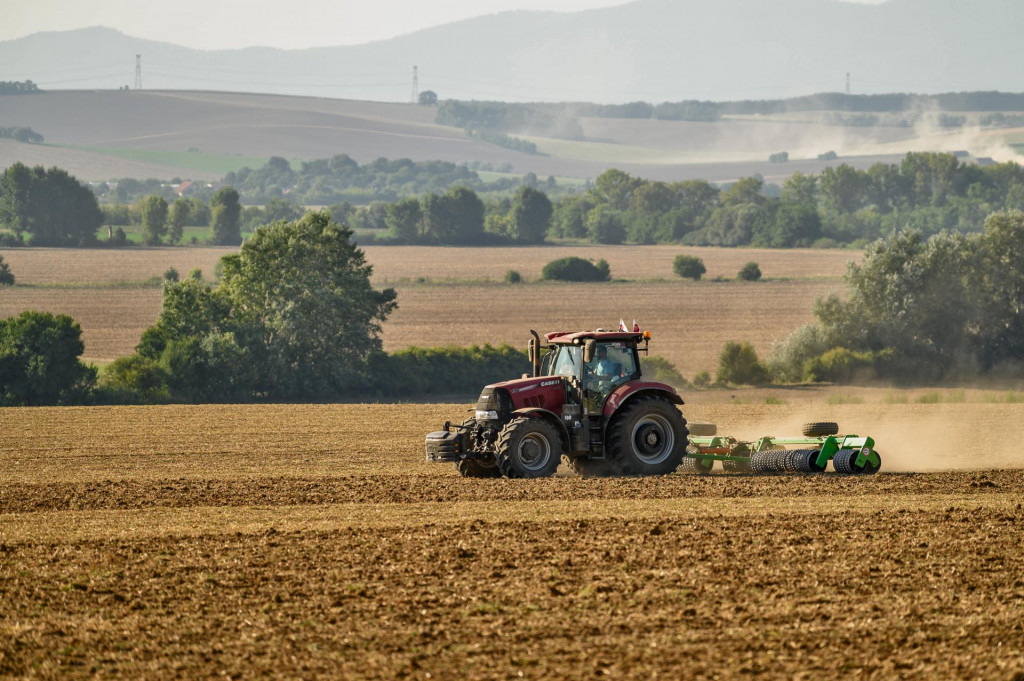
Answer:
[(171, 274), (702, 379), (660, 369), (689, 267), (749, 272), (513, 277), (576, 269), (443, 371), (840, 365), (6, 276), (39, 360), (738, 364), (195, 274)]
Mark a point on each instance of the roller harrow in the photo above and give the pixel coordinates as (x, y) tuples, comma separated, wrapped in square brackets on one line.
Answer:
[(811, 453)]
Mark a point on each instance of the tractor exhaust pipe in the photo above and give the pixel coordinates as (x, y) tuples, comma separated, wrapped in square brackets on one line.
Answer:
[(534, 352)]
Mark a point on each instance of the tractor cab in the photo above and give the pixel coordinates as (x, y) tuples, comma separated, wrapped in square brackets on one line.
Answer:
[(594, 367)]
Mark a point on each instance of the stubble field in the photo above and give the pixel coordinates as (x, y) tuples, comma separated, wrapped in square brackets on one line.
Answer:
[(456, 295), (313, 540)]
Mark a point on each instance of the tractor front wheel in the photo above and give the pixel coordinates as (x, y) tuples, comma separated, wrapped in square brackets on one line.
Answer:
[(528, 448), (475, 468), (648, 437)]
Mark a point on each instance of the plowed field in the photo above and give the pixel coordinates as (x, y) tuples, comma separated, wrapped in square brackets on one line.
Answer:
[(297, 541)]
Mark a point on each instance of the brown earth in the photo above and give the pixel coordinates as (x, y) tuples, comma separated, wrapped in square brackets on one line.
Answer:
[(299, 541)]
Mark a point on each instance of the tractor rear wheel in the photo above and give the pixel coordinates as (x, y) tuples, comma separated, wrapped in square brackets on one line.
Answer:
[(475, 468), (528, 448), (647, 437)]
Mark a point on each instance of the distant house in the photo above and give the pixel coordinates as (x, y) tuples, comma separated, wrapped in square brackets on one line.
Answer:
[(186, 189), (984, 161)]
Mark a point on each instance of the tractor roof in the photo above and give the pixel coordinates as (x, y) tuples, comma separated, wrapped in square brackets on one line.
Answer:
[(579, 337)]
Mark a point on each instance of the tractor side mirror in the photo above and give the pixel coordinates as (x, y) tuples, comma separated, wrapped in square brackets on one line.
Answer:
[(588, 350)]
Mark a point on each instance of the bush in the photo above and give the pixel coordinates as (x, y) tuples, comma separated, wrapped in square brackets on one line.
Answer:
[(702, 379), (513, 277), (576, 269), (6, 276), (738, 365), (443, 371), (171, 274), (660, 369), (689, 267), (749, 272), (39, 361)]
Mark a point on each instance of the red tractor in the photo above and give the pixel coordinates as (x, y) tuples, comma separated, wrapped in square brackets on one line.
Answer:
[(587, 400)]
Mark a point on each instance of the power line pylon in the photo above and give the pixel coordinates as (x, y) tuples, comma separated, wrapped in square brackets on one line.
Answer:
[(138, 72), (415, 86)]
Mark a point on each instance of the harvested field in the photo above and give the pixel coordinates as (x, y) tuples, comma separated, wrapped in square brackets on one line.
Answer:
[(313, 540), (112, 319), (395, 264), (690, 321), (403, 263), (458, 305), (61, 266)]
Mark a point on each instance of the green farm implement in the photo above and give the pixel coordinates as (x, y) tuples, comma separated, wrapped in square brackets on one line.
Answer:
[(820, 443)]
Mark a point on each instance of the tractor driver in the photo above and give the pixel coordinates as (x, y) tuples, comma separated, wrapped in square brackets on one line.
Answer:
[(599, 376), (603, 367)]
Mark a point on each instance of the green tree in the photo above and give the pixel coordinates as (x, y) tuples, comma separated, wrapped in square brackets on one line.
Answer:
[(281, 209), (531, 215), (455, 217), (154, 219), (605, 225), (6, 276), (404, 218), (749, 272), (843, 189), (226, 214), (428, 98), (689, 267), (51, 205), (576, 269), (177, 219), (614, 188), (738, 365), (39, 361)]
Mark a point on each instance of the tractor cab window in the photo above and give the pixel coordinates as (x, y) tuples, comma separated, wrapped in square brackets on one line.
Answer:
[(566, 361), (613, 363)]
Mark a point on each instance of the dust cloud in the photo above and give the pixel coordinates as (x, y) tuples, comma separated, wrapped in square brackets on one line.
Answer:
[(917, 438)]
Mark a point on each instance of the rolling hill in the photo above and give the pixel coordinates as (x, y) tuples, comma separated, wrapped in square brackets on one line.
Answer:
[(101, 135)]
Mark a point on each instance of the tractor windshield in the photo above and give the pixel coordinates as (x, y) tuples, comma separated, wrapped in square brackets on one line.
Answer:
[(566, 361)]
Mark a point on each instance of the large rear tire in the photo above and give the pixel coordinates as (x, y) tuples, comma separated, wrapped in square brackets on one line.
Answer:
[(474, 468), (647, 437), (528, 448)]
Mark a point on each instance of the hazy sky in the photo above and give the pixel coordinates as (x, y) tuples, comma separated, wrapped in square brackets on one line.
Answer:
[(203, 24)]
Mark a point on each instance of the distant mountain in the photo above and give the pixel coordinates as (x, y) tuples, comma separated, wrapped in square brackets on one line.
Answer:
[(652, 50)]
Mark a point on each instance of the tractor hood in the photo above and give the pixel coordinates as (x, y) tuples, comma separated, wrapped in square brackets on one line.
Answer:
[(544, 392)]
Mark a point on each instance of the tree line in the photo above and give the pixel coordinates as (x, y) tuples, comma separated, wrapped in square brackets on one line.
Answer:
[(18, 87)]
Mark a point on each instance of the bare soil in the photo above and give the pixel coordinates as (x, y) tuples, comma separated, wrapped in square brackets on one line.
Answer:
[(299, 541)]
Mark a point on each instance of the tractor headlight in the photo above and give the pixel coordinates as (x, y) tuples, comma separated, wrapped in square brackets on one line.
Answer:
[(482, 415)]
